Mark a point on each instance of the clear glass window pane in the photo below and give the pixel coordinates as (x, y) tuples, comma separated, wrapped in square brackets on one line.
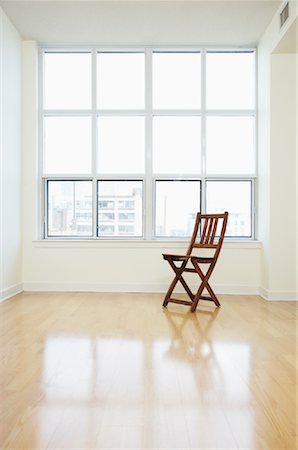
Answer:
[(126, 217), (120, 80), (67, 80), (177, 203), (106, 216), (230, 145), (105, 204), (176, 145), (69, 208), (236, 198), (67, 145), (230, 78), (176, 79), (121, 145), (125, 197)]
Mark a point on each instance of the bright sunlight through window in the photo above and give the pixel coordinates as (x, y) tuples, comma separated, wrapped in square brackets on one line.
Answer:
[(136, 142)]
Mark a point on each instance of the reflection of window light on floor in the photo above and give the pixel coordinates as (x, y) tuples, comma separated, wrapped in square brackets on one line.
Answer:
[(79, 368), (240, 355), (68, 365)]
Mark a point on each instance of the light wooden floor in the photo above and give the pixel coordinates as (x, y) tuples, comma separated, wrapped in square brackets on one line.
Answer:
[(117, 371)]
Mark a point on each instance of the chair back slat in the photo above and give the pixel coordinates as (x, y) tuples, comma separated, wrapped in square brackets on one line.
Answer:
[(213, 227), (202, 240), (209, 229), (214, 230)]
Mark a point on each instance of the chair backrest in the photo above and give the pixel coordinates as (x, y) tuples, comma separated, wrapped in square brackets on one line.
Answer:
[(209, 231)]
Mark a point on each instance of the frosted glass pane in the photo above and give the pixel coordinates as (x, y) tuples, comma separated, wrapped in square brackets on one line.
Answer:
[(67, 145), (230, 80), (176, 80), (121, 145), (177, 203), (67, 80), (120, 210), (230, 145), (177, 145), (120, 80), (234, 197), (69, 208)]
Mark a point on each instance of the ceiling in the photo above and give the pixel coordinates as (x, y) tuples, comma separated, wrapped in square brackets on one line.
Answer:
[(221, 23)]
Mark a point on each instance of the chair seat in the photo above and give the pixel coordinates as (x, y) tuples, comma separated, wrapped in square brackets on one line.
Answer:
[(202, 259), (168, 256)]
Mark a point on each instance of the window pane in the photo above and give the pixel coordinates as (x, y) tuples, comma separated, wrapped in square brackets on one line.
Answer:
[(176, 80), (69, 208), (67, 80), (234, 197), (177, 203), (230, 145), (67, 145), (120, 80), (176, 145), (121, 143), (230, 79), (123, 200)]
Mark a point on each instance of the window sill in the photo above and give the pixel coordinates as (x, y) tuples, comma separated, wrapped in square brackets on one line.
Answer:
[(160, 244)]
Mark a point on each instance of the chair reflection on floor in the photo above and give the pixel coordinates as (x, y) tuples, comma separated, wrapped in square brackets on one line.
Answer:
[(191, 334)]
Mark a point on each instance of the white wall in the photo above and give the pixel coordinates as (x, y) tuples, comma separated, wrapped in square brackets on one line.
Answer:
[(131, 267), (277, 202), (10, 159), (283, 239)]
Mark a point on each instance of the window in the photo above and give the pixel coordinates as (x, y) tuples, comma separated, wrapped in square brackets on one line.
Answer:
[(126, 197), (176, 205), (234, 196), (69, 208), (134, 143)]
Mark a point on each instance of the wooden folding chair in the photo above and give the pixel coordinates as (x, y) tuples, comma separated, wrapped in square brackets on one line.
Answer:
[(208, 235)]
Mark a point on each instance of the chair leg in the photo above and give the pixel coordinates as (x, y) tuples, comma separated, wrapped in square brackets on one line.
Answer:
[(178, 271), (170, 290), (213, 297), (212, 294), (172, 287), (187, 289), (197, 297), (204, 284)]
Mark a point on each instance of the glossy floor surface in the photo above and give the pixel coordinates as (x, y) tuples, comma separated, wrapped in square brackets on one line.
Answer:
[(117, 371)]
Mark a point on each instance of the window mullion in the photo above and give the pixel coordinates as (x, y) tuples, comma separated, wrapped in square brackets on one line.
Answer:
[(94, 145), (42, 205), (149, 202), (203, 132)]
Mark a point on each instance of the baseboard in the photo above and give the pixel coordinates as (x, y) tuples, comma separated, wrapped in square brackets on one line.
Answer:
[(279, 296), (142, 287), (11, 291), (131, 287)]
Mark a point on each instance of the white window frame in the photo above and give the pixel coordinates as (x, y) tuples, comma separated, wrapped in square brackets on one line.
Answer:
[(148, 178)]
